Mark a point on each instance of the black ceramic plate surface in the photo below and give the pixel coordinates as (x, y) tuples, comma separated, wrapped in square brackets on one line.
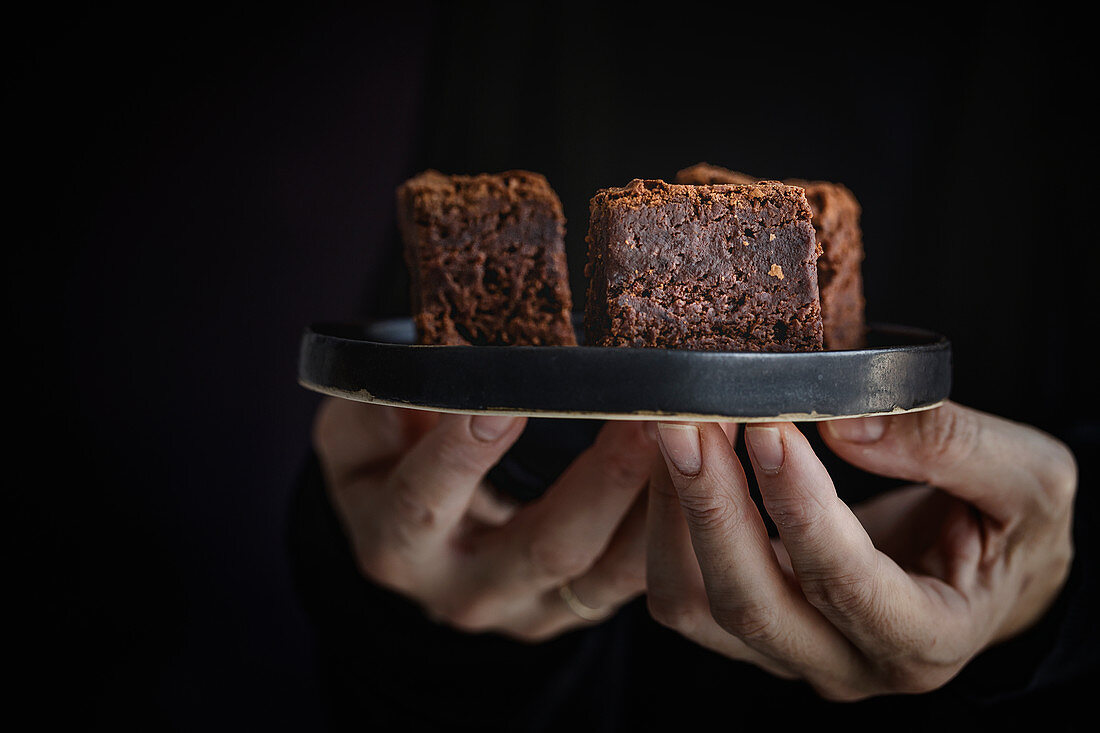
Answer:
[(901, 370)]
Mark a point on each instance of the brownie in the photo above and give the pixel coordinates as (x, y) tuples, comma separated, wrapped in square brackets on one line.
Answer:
[(722, 267), (839, 275), (486, 259)]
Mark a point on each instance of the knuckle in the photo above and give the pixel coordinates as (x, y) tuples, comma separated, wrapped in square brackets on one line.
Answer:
[(800, 513), (849, 593), (791, 514), (747, 620), (674, 612), (947, 435), (1062, 559), (621, 469), (705, 512), (1058, 481), (460, 453), (551, 557), (623, 455), (412, 509)]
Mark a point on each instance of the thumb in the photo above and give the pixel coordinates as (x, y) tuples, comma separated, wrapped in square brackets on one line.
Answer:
[(1002, 467)]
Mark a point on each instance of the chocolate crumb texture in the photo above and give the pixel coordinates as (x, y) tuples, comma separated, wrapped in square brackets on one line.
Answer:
[(836, 214), (699, 287), (486, 258)]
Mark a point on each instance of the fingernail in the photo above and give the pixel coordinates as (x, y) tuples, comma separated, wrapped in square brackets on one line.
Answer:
[(766, 444), (650, 430), (488, 428), (680, 444), (858, 429)]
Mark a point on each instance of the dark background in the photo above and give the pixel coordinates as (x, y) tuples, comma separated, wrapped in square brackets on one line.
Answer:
[(194, 188)]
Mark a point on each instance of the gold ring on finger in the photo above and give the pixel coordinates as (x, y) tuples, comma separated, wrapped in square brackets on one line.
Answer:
[(580, 609)]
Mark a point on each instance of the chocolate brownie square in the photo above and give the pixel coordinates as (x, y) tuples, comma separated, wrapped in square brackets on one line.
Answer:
[(486, 259), (839, 273), (723, 267)]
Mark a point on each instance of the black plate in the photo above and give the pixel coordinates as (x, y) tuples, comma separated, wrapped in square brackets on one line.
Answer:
[(903, 369)]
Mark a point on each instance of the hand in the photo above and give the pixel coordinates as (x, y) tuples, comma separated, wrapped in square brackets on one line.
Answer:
[(409, 488), (893, 597)]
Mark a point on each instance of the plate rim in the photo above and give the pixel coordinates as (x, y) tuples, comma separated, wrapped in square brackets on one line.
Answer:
[(356, 334)]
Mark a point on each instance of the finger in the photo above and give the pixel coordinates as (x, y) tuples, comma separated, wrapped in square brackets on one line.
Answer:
[(898, 521), (430, 488), (558, 537), (354, 436), (727, 532), (489, 507), (675, 590), (619, 574), (614, 579), (748, 593), (1004, 468), (861, 591), (675, 593), (674, 584), (588, 528)]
